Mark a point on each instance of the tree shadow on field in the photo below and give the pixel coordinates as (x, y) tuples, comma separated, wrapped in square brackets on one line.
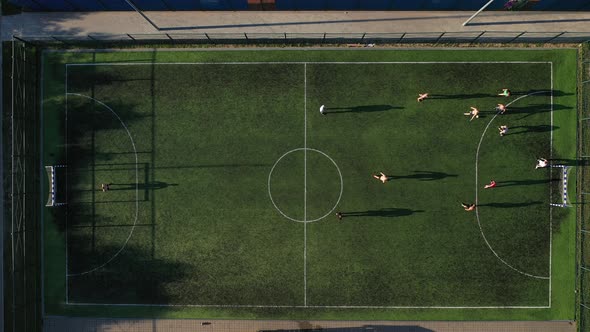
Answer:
[(360, 109), (133, 276), (512, 183), (460, 96), (531, 129), (510, 205), (386, 213), (424, 176), (87, 78)]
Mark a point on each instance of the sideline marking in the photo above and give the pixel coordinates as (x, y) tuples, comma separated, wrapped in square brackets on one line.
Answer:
[(477, 190), (136, 188), (66, 191), (300, 306), (270, 193), (289, 63), (395, 62), (305, 184), (551, 191)]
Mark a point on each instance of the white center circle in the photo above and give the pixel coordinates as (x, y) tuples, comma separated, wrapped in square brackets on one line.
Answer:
[(305, 217)]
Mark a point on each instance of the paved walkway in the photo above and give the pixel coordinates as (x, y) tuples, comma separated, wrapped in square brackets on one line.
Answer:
[(84, 23), (60, 324)]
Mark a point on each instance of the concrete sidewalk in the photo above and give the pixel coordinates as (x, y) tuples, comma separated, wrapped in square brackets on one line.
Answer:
[(85, 23), (62, 324)]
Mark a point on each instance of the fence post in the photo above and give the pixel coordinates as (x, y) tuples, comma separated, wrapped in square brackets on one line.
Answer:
[(59, 40), (131, 37), (324, 39), (245, 35), (520, 34), (211, 40), (439, 37), (402, 37), (476, 38), (550, 39), (477, 12), (142, 14), (363, 37)]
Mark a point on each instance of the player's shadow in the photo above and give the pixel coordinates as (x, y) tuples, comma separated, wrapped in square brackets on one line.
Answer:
[(556, 93), (530, 129), (153, 185), (386, 213), (360, 109), (535, 109), (569, 162), (512, 183), (461, 96), (424, 176), (510, 205)]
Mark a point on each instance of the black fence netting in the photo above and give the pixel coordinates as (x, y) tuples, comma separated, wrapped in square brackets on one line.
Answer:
[(22, 235)]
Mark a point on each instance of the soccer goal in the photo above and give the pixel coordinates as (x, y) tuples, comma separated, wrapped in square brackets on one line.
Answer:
[(53, 198), (563, 192)]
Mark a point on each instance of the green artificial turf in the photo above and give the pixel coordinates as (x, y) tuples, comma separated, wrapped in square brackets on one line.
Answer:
[(225, 179)]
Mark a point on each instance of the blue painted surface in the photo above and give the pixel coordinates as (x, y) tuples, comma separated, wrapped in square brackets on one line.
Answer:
[(98, 5), (112, 4), (151, 5)]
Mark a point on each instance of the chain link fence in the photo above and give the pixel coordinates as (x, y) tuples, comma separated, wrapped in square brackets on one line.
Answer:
[(361, 38), (22, 236), (86, 5), (584, 189)]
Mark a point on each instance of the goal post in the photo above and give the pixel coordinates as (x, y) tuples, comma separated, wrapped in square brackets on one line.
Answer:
[(53, 198), (563, 189)]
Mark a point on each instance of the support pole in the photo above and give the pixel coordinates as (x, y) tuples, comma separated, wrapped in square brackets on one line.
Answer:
[(477, 12), (142, 14)]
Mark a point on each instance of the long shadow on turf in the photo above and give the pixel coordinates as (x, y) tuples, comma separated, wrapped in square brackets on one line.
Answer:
[(153, 185), (534, 109), (531, 129), (424, 176), (133, 277), (570, 162), (361, 109), (511, 183), (556, 93), (214, 166), (510, 205), (461, 96), (387, 212)]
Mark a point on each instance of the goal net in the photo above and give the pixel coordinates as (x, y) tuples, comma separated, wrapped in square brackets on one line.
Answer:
[(563, 189), (54, 198)]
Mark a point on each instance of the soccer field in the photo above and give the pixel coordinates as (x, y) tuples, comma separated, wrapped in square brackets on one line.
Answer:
[(225, 180)]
